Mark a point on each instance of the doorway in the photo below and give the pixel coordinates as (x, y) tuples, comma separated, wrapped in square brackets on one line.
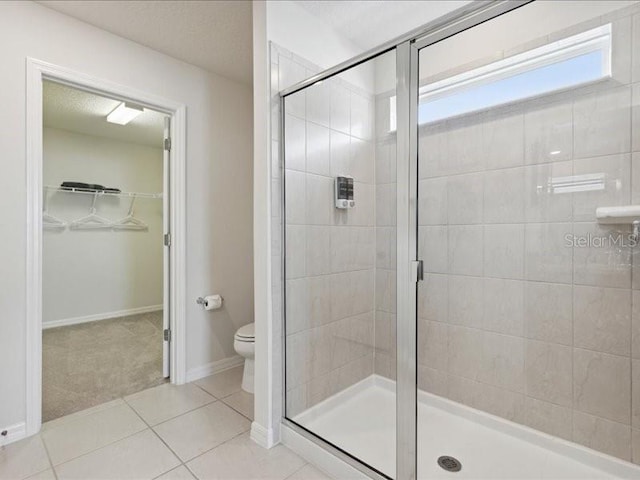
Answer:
[(172, 208), (104, 267)]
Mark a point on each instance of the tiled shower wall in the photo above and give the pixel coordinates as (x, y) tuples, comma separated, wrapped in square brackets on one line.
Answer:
[(330, 253), (513, 319)]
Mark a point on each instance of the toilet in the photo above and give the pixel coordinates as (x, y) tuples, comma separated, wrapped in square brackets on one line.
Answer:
[(244, 343)]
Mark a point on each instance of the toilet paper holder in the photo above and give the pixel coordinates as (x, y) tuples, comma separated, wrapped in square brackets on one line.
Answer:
[(203, 301)]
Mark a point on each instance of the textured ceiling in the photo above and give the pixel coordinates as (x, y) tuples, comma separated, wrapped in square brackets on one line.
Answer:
[(368, 24), (83, 112), (214, 35)]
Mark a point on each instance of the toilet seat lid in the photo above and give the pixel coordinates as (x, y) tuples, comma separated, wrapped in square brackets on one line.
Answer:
[(247, 332)]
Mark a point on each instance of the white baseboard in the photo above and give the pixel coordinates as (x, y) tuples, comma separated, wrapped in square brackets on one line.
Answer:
[(202, 371), (264, 437), (100, 316), (14, 433)]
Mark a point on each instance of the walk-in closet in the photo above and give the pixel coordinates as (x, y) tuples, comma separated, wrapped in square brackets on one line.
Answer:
[(103, 285)]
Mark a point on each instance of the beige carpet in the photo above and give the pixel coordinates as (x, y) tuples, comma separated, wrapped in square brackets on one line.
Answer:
[(91, 363)]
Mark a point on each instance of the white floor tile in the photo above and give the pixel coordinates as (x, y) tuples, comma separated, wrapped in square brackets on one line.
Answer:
[(141, 456), (203, 429), (167, 401), (71, 437), (308, 472), (46, 475), (241, 458), (180, 473), (224, 383), (241, 402), (81, 414), (23, 458)]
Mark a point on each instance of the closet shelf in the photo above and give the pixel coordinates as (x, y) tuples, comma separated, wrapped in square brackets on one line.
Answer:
[(102, 193)]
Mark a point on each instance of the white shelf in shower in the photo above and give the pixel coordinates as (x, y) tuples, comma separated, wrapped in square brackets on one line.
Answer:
[(626, 214)]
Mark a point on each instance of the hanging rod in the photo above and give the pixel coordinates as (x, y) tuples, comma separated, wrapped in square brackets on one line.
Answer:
[(102, 192)]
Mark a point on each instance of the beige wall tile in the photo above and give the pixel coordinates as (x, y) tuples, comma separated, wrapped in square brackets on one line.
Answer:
[(296, 241), (602, 435), (318, 150), (432, 344), (295, 140), (548, 372), (502, 363), (615, 171), (635, 393), (465, 352), (318, 250), (548, 257), (602, 123), (635, 324), (319, 103), (549, 133), (433, 298), (433, 381), (635, 445), (295, 208), (433, 201), (548, 417), (503, 306), (542, 203), (503, 140), (504, 251), (603, 263), (352, 248), (464, 198), (466, 301), (320, 200), (386, 290), (602, 319), (601, 385), (433, 248), (386, 248), (465, 249), (352, 293), (503, 199), (549, 312)]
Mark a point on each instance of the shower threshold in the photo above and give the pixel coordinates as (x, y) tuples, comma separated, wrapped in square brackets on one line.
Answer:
[(361, 421)]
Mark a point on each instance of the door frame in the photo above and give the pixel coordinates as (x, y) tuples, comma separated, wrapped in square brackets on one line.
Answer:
[(36, 72)]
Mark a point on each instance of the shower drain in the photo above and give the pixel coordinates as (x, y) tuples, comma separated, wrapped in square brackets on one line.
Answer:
[(449, 464)]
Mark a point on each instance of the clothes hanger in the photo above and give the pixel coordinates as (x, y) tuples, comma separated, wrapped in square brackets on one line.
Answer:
[(50, 222), (130, 222), (91, 221)]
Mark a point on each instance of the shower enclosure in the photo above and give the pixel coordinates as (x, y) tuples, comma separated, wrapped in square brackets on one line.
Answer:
[(460, 214)]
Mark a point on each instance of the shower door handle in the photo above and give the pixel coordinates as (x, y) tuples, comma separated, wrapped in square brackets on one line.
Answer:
[(417, 271)]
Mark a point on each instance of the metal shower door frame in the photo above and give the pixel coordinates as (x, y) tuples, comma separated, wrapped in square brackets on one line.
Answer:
[(408, 267)]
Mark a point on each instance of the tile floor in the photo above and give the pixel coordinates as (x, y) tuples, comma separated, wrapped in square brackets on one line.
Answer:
[(92, 363), (194, 431)]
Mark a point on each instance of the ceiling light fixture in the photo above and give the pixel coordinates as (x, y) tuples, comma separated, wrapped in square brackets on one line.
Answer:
[(124, 113)]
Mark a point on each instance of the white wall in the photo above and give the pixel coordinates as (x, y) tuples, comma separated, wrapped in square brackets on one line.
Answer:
[(219, 170), (90, 272)]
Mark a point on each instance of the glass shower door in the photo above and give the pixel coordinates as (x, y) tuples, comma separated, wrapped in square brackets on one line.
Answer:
[(340, 266), (527, 133)]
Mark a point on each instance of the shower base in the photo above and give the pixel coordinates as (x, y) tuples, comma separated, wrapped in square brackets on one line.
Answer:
[(361, 421)]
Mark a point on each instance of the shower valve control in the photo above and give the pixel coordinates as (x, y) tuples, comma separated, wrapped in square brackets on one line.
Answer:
[(344, 192)]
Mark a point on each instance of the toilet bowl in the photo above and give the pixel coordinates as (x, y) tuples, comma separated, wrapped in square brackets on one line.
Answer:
[(244, 344)]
